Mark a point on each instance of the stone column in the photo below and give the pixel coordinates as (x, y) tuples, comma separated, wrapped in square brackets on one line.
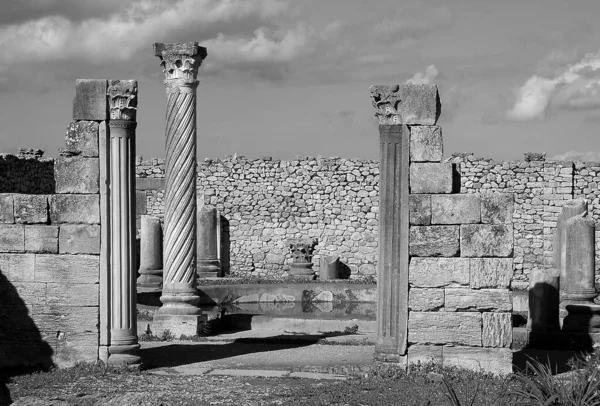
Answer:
[(208, 243), (122, 100), (302, 253), (151, 256), (329, 267), (570, 209), (180, 312), (579, 258), (392, 263)]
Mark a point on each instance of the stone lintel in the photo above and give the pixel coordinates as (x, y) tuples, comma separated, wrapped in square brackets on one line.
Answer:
[(90, 100)]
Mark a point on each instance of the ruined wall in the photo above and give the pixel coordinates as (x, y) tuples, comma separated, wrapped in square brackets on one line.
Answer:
[(49, 256), (27, 172)]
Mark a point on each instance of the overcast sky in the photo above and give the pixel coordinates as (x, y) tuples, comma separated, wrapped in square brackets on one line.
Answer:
[(286, 78)]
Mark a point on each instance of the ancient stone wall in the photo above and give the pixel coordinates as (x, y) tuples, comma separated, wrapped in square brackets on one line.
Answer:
[(28, 172)]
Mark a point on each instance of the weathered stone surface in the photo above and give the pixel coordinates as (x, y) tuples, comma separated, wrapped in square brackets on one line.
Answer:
[(72, 348), (431, 177), (79, 239), (455, 209), (419, 207), (15, 293), (90, 100), (497, 207), (41, 239), (149, 183), (438, 272), (425, 354), (75, 209), (82, 138), (17, 267), (497, 330), (406, 104), (77, 175), (434, 241), (67, 269), (578, 246), (490, 272), (425, 299), (65, 319), (492, 360), (462, 299), (444, 328), (72, 294), (7, 213), (426, 144), (12, 238), (31, 209), (486, 240)]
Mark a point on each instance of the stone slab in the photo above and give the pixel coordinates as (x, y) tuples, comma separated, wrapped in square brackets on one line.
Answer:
[(426, 143), (77, 175), (420, 299), (438, 272), (7, 213), (90, 101), (464, 299), (82, 138), (17, 267), (418, 353), (490, 272), (492, 360), (41, 239), (497, 207), (486, 240), (75, 209), (444, 328), (12, 238), (434, 241), (455, 209), (497, 330), (431, 177), (67, 269), (31, 209), (419, 207), (79, 239)]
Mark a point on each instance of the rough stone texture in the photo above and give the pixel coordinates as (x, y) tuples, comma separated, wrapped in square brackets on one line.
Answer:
[(82, 139), (486, 240), (426, 144), (490, 272), (431, 178), (497, 207), (444, 328), (26, 173), (72, 294), (425, 354), (12, 238), (497, 330), (455, 209), (76, 209), (90, 100), (420, 104), (425, 299), (79, 239), (31, 209), (438, 272), (419, 207), (17, 267), (462, 299), (67, 269), (7, 214), (77, 175), (491, 360), (42, 239), (434, 241)]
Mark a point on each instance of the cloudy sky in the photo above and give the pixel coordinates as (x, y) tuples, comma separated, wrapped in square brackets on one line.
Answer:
[(286, 78)]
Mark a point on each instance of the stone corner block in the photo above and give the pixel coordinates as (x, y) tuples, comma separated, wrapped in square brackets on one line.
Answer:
[(77, 175), (79, 239), (490, 272), (90, 102), (419, 104), (497, 207), (434, 241), (486, 240), (455, 209), (431, 177), (497, 330), (75, 209), (82, 139), (7, 210), (31, 209), (419, 209), (426, 143)]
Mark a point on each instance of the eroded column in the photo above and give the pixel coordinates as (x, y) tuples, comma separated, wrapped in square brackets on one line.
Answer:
[(180, 313), (122, 99), (208, 243), (151, 253)]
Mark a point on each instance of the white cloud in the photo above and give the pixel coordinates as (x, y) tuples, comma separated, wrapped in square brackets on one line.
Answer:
[(424, 78), (576, 87)]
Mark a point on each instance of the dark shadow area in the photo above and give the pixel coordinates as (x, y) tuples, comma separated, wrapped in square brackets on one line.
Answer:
[(344, 271), (27, 173), (149, 298), (456, 185), (225, 247)]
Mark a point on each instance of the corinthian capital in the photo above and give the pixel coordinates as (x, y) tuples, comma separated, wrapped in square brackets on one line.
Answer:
[(122, 99), (385, 99), (180, 61), (407, 104)]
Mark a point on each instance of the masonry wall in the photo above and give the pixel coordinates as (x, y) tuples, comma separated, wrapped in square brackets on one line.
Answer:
[(49, 254)]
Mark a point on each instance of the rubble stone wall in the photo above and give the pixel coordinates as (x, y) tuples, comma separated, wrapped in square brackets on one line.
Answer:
[(28, 172)]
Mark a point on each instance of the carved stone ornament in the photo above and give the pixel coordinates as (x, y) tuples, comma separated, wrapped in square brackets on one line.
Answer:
[(385, 99), (180, 61), (302, 249), (122, 99)]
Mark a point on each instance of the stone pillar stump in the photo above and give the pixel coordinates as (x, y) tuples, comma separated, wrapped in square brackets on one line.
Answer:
[(151, 256), (208, 242)]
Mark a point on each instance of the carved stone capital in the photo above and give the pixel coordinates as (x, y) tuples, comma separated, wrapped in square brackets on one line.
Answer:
[(406, 104), (385, 99), (122, 99), (302, 249), (180, 61)]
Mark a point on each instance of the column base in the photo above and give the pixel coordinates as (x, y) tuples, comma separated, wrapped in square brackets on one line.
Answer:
[(124, 355), (387, 357), (302, 270), (178, 325), (179, 300), (208, 268), (152, 281)]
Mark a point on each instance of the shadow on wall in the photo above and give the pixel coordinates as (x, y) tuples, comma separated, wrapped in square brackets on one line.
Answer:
[(22, 347), (27, 173), (225, 247), (344, 271)]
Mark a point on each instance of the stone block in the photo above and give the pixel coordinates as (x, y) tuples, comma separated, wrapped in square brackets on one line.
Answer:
[(17, 267), (7, 212), (82, 139), (72, 294), (455, 209), (72, 348), (497, 330), (90, 102), (486, 240), (438, 272), (67, 269), (41, 239), (150, 184), (497, 207), (75, 209), (12, 238), (31, 209), (426, 143), (419, 209), (79, 239), (463, 299), (490, 272), (434, 241), (431, 177), (491, 360), (77, 175), (425, 299), (65, 318), (444, 328), (15, 293), (425, 354)]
